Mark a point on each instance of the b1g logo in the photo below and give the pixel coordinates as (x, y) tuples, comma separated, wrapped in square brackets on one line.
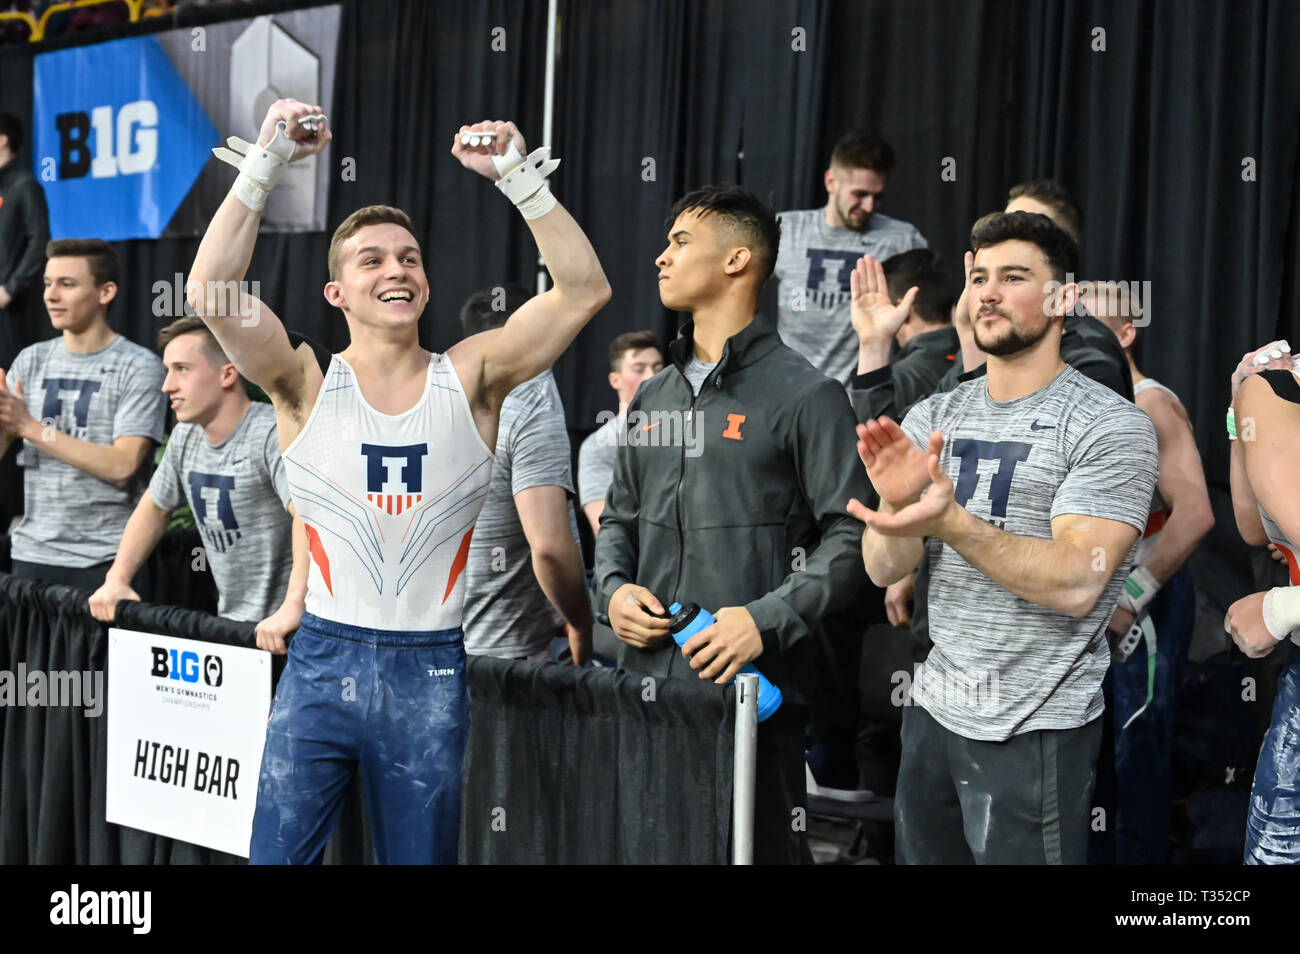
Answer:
[(106, 146), (183, 666)]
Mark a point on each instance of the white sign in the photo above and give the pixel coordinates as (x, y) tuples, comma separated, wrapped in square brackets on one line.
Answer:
[(186, 726)]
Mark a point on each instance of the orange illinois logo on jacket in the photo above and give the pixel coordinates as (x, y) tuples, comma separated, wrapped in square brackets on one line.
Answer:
[(733, 427)]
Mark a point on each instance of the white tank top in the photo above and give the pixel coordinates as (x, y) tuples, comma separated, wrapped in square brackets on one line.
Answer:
[(389, 502), (1159, 510)]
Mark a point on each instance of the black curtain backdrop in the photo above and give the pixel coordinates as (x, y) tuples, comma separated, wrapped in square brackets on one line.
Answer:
[(1151, 133), (563, 765), (595, 767)]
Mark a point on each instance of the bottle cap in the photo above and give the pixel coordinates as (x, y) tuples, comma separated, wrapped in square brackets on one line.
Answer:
[(682, 616)]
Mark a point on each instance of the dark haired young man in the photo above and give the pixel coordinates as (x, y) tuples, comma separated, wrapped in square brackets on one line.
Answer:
[(820, 247), (222, 460), (634, 357), (89, 410), (388, 456), (1024, 492), (1087, 345), (708, 521)]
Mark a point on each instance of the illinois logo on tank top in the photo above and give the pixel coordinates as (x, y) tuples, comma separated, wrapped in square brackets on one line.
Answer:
[(389, 502)]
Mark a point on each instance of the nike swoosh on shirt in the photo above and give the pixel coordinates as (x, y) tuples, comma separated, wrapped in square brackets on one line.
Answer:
[(1035, 426)]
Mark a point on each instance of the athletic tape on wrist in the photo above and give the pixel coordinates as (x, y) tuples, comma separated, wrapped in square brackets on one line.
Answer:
[(260, 167), (523, 180), (1282, 611), (1139, 590)]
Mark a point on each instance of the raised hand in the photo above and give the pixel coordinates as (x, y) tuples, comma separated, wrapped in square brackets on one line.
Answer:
[(1247, 366), (308, 139), (926, 517), (15, 419), (874, 315), (897, 468), (479, 158)]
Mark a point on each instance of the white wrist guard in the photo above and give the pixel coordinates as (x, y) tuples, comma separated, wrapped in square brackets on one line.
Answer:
[(1282, 611), (259, 166), (524, 180), (1139, 590)]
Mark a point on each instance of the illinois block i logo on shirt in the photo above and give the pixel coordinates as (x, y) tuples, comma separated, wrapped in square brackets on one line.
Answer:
[(394, 476), (67, 404), (214, 513)]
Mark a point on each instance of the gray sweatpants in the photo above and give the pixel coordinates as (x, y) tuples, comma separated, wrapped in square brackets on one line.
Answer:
[(1025, 801)]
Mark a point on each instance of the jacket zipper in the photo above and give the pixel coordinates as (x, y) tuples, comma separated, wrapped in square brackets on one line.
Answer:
[(681, 479), (681, 473)]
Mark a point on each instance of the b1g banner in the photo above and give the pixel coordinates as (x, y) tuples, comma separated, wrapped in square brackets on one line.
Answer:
[(123, 131), (186, 726)]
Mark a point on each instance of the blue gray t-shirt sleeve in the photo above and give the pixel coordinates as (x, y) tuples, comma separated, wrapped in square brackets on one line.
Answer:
[(916, 424), (1103, 480), (596, 460), (273, 465), (166, 487), (142, 409), (540, 449)]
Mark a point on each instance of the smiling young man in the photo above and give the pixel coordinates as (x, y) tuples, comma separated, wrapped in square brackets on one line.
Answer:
[(1024, 491), (222, 460), (388, 456), (820, 247), (88, 409), (710, 523)]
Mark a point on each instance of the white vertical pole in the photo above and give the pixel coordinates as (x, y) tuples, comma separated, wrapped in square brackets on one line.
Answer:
[(744, 770), (548, 108)]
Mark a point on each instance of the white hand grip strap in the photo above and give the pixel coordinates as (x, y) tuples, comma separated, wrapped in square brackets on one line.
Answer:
[(259, 167), (1139, 590), (524, 180), (1127, 643)]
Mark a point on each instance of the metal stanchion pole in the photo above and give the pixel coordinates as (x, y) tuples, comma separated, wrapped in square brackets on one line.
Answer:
[(744, 770)]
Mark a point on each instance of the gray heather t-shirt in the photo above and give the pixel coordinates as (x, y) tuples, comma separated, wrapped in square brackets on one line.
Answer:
[(813, 267), (1002, 665), (506, 612), (71, 518), (596, 458), (238, 494), (696, 371)]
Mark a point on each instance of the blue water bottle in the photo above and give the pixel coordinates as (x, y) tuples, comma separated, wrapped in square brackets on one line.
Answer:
[(688, 620)]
